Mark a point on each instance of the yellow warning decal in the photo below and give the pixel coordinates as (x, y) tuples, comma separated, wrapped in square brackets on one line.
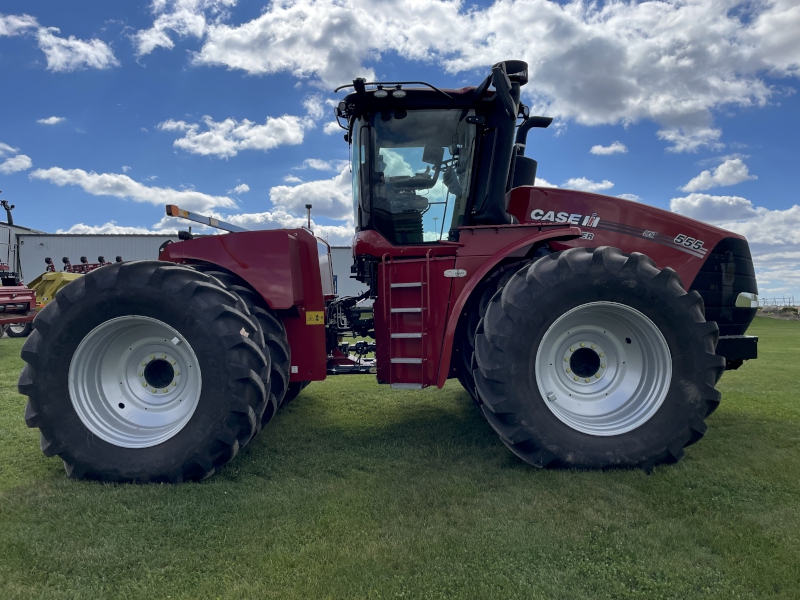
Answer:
[(315, 317)]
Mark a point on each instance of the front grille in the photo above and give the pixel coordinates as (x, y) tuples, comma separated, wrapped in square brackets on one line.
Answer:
[(727, 272)]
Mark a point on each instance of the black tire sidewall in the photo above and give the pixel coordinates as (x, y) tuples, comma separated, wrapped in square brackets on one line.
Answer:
[(682, 404), (213, 408)]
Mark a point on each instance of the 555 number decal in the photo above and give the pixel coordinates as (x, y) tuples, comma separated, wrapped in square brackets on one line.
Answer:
[(689, 242)]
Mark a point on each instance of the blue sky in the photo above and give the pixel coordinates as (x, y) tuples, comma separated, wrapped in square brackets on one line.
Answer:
[(112, 109)]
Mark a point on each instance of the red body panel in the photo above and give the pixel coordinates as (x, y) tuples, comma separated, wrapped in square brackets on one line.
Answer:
[(623, 224), (440, 297), (563, 218), (281, 265)]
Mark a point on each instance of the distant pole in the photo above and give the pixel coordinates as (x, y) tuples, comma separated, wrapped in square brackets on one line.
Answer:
[(434, 223), (308, 212)]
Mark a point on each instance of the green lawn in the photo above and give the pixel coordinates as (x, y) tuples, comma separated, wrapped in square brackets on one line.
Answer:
[(358, 491)]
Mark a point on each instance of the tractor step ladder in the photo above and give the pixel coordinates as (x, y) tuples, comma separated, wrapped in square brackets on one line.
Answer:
[(407, 304)]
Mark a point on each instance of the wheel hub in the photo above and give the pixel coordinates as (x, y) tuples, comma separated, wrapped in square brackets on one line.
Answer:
[(603, 368), (585, 362), (134, 381)]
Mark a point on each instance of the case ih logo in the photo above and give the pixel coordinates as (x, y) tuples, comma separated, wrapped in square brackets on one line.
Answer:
[(564, 217)]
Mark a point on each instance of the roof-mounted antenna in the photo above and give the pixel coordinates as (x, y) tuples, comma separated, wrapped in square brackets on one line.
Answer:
[(308, 213)]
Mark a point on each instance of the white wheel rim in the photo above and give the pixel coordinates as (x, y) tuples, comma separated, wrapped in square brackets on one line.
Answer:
[(603, 368), (17, 328), (134, 381)]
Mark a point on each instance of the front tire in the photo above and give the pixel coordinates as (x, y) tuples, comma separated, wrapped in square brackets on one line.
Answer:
[(143, 371), (552, 397)]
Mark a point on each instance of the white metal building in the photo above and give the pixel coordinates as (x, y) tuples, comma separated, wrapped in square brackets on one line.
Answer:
[(30, 248), (342, 258), (33, 248)]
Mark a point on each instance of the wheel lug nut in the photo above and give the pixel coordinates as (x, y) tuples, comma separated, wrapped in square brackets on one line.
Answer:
[(602, 366), (582, 345), (152, 356), (569, 371), (586, 380), (143, 363), (144, 385), (163, 356), (594, 346), (601, 354), (572, 349), (174, 383), (575, 378), (598, 375), (141, 374)]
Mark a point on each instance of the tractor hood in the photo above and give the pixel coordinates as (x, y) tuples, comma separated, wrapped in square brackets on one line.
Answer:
[(714, 262)]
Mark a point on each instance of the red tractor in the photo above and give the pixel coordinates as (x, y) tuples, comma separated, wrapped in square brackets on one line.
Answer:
[(589, 330)]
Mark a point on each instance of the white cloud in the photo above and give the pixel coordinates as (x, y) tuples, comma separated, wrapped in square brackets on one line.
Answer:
[(730, 172), (227, 138), (331, 198), (632, 197), (16, 24), (122, 186), (773, 235), (587, 185), (614, 148), (331, 128), (72, 54), (125, 168), (63, 54), (314, 106), (242, 188), (292, 179), (110, 228), (16, 164), (6, 149), (340, 235), (689, 139), (51, 120), (673, 62), (323, 165), (184, 18), (713, 209), (543, 183)]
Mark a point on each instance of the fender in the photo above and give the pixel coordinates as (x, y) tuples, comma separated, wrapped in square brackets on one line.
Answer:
[(282, 266), (560, 233), (271, 261)]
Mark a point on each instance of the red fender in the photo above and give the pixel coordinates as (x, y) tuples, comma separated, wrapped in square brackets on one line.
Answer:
[(565, 233)]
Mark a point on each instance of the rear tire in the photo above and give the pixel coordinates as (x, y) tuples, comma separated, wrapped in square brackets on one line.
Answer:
[(84, 362), (18, 330), (649, 392), (275, 343), (294, 390)]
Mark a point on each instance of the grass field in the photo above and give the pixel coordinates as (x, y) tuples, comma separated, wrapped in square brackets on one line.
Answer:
[(358, 491)]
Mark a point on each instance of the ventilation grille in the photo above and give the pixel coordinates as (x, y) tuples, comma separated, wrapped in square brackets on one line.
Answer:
[(727, 272)]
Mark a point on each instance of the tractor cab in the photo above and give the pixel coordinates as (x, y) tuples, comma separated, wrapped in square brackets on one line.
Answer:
[(427, 161)]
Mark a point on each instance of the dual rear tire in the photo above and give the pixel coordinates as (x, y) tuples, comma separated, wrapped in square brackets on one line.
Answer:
[(147, 371)]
